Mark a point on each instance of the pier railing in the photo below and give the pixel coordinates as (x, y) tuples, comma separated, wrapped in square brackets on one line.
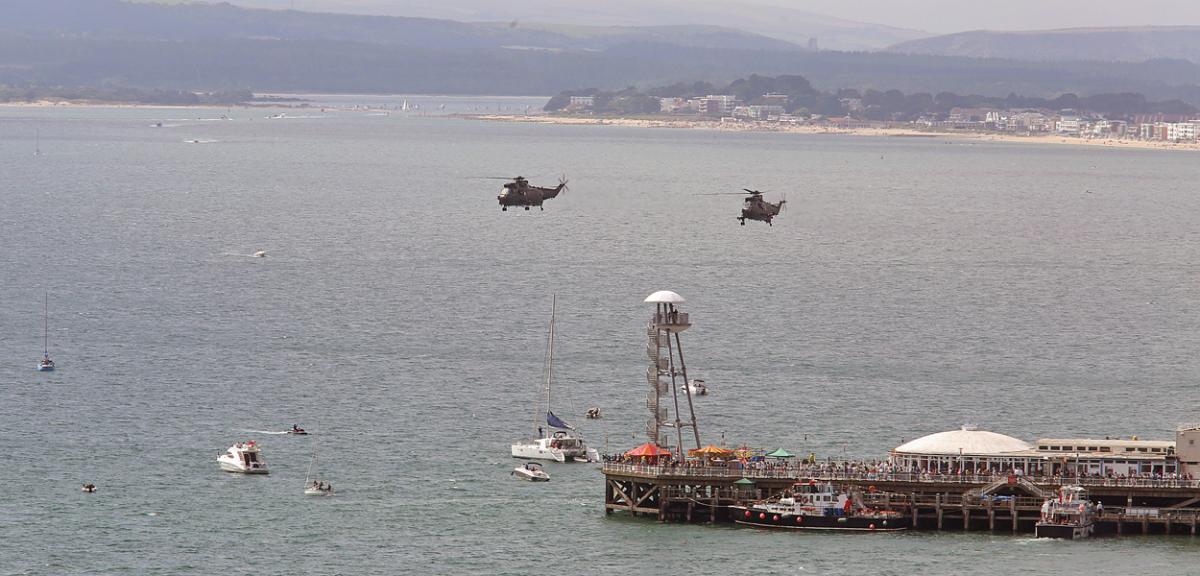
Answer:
[(833, 474)]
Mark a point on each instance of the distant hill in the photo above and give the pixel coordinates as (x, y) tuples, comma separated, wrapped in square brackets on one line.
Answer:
[(1100, 44), (118, 20), (789, 24), (223, 48)]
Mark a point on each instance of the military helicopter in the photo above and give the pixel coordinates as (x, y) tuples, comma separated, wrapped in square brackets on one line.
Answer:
[(755, 208), (520, 192)]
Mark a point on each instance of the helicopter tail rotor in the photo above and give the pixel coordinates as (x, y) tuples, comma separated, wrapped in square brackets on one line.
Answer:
[(562, 183)]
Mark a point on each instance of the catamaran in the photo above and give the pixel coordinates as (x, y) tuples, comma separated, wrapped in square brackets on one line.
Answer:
[(563, 443), (46, 364)]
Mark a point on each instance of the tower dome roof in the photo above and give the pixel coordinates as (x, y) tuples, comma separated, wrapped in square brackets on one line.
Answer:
[(664, 297)]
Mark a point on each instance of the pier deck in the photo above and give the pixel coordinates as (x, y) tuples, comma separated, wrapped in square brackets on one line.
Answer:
[(935, 502)]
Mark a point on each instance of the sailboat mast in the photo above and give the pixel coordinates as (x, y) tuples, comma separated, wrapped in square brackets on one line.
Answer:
[(46, 324), (550, 360)]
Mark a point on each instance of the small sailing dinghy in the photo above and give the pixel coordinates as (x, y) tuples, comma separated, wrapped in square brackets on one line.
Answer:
[(531, 471), (46, 364), (564, 444), (313, 486)]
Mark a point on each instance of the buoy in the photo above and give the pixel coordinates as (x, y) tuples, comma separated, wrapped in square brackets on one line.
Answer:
[(885, 522)]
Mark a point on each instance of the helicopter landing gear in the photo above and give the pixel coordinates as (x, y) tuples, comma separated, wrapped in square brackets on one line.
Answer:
[(526, 208), (743, 221), (504, 208), (541, 207)]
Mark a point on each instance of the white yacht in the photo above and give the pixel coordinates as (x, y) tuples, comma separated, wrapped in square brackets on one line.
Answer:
[(563, 444), (531, 471), (244, 458)]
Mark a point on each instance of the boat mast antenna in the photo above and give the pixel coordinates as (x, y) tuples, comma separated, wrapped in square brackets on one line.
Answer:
[(46, 324), (666, 369)]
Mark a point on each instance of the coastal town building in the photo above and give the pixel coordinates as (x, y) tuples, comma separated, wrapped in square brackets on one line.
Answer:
[(718, 105), (759, 112), (581, 103)]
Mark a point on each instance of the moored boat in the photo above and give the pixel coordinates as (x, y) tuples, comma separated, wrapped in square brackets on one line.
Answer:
[(819, 506), (243, 458), (564, 443), (1068, 515)]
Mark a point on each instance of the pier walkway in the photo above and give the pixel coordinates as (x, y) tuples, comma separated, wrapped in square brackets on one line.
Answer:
[(690, 492)]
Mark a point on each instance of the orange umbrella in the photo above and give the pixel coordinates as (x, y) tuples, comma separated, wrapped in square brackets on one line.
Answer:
[(710, 450), (648, 450)]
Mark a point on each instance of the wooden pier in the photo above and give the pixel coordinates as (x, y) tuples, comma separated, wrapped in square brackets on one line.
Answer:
[(934, 502)]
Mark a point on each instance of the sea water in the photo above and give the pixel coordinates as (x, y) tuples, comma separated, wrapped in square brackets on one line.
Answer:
[(911, 286)]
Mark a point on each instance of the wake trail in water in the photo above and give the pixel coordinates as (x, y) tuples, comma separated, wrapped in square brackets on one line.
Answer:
[(274, 432)]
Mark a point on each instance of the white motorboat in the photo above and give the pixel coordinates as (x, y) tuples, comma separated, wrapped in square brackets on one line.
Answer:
[(696, 387), (564, 443), (46, 364), (531, 471), (243, 458)]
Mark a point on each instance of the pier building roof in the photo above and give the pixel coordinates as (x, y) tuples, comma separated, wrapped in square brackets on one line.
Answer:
[(964, 441)]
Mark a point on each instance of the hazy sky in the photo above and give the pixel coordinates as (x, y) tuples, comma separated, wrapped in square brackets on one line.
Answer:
[(938, 16), (945, 16)]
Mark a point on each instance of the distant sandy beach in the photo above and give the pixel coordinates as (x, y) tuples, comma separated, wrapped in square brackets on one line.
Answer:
[(694, 124)]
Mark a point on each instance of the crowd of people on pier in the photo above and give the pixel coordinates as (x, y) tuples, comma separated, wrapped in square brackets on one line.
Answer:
[(759, 466)]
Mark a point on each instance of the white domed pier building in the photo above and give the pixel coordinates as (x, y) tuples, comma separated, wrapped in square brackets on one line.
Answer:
[(967, 450), (972, 451)]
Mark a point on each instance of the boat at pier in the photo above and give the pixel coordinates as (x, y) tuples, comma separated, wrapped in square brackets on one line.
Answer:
[(1068, 515), (243, 458), (819, 506), (564, 443)]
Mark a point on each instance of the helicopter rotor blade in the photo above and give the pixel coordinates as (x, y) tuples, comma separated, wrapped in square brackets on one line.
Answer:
[(719, 194)]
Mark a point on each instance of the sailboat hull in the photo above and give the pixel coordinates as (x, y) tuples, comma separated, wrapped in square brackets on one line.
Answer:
[(45, 368), (536, 452)]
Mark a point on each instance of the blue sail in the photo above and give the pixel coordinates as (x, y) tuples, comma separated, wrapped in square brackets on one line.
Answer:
[(557, 422)]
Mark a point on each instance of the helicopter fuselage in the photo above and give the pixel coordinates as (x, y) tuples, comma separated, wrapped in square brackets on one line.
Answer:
[(520, 194)]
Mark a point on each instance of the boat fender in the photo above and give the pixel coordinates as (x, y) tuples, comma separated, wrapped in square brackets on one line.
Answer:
[(762, 515), (747, 513), (799, 519), (775, 518), (871, 526)]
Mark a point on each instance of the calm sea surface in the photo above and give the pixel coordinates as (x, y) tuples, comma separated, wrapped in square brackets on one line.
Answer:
[(912, 285)]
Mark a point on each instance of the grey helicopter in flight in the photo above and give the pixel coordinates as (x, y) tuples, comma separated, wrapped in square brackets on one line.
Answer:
[(520, 192), (754, 207)]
